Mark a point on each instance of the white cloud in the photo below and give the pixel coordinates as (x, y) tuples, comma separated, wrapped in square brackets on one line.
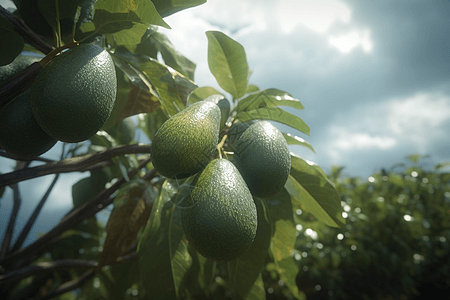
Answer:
[(349, 41), (317, 15), (420, 118), (347, 140)]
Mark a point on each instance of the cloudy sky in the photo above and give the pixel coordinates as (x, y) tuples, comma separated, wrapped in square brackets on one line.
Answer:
[(374, 77)]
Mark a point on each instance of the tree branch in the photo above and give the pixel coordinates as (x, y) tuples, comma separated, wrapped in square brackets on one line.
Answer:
[(12, 220), (23, 235), (90, 208), (24, 79), (44, 267), (69, 286), (26, 33), (74, 164)]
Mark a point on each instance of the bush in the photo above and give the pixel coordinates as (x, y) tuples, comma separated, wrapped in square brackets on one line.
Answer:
[(395, 244)]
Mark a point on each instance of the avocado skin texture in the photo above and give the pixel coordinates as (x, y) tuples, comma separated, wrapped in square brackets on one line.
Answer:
[(185, 143), (20, 134), (73, 96), (19, 64), (224, 106), (221, 219), (263, 158)]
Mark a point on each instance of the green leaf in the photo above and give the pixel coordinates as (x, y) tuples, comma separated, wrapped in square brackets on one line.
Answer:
[(163, 256), (295, 140), (201, 93), (122, 96), (12, 43), (139, 101), (274, 114), (166, 8), (228, 63), (158, 41), (88, 187), (268, 98), (128, 38), (257, 292), (171, 87), (150, 123), (247, 268), (123, 132), (132, 208), (288, 269), (279, 208), (111, 16), (67, 9), (252, 88), (309, 187)]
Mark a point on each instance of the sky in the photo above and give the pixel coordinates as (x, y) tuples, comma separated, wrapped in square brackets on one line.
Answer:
[(373, 76)]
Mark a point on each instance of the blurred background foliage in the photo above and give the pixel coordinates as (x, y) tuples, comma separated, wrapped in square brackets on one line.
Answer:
[(395, 244)]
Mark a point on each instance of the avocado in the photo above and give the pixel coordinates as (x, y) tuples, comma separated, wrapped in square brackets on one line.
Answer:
[(19, 64), (224, 106), (263, 158), (185, 143), (73, 96), (221, 219), (20, 134)]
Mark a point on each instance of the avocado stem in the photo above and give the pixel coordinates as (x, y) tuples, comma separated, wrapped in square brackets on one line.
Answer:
[(48, 58)]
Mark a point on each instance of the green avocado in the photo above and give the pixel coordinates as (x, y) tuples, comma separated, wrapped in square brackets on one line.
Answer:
[(224, 106), (185, 143), (73, 96), (19, 64), (20, 134), (263, 158), (221, 219)]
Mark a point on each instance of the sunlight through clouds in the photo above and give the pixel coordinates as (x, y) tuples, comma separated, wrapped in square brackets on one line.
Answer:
[(349, 41), (317, 15)]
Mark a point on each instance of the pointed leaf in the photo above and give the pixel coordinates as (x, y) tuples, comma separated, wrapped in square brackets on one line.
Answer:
[(128, 38), (274, 114), (295, 140), (166, 8), (247, 268), (132, 208), (268, 98), (171, 56), (163, 255), (201, 93), (139, 101), (228, 63), (309, 186), (12, 43), (112, 16)]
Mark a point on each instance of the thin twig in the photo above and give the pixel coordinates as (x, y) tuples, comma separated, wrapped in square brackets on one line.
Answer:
[(69, 286), (23, 235), (74, 164), (16, 157), (12, 221), (44, 267), (15, 211)]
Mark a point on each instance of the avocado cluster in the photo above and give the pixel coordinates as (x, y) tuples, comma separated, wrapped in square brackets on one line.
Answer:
[(220, 218), (69, 101)]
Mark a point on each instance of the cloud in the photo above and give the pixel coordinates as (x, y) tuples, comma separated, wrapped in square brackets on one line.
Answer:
[(422, 119)]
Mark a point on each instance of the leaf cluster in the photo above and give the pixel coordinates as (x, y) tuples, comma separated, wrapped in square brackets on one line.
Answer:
[(141, 251)]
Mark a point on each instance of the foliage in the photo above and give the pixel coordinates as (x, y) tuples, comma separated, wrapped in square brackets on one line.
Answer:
[(395, 243), (142, 252)]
